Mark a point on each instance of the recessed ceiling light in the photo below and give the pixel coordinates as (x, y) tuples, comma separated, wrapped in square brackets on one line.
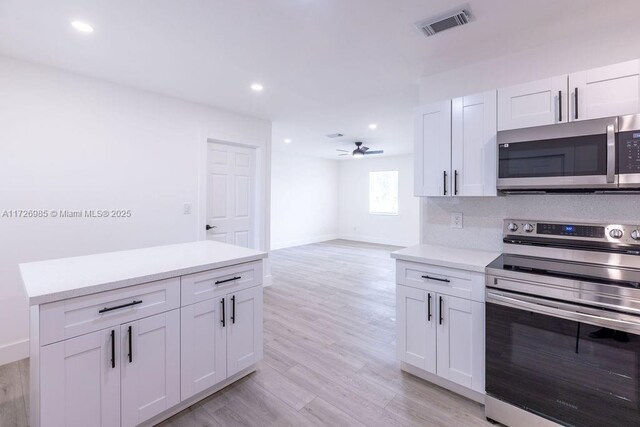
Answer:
[(287, 141), (373, 126), (257, 87), (82, 27)]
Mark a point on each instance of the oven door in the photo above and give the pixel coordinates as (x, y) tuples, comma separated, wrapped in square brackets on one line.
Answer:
[(571, 364), (577, 155)]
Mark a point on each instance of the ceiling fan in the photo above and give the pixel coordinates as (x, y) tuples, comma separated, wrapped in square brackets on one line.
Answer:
[(360, 151)]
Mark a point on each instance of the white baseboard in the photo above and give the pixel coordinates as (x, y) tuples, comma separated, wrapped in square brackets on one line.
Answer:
[(302, 241), (379, 240), (14, 351)]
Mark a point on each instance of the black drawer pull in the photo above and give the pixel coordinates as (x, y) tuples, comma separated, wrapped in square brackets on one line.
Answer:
[(436, 278), (228, 280), (104, 310)]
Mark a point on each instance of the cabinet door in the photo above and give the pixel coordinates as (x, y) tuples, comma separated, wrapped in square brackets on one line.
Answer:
[(244, 329), (416, 330), (543, 102), (204, 347), (606, 91), (433, 150), (473, 145), (461, 341), (150, 366), (80, 381)]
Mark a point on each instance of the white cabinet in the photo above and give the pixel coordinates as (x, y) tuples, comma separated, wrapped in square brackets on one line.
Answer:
[(473, 145), (244, 336), (461, 341), (221, 336), (432, 151), (80, 381), (150, 367), (455, 147), (542, 102), (416, 327), (204, 346), (608, 91), (439, 325)]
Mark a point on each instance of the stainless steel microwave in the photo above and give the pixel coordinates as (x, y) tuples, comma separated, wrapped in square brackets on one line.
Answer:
[(590, 155)]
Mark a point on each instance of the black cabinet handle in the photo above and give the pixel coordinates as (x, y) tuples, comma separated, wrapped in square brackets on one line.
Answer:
[(223, 315), (444, 182), (104, 310), (576, 116), (455, 183), (429, 307), (233, 309), (436, 278), (228, 280), (441, 316), (560, 105), (130, 332), (210, 227), (113, 348)]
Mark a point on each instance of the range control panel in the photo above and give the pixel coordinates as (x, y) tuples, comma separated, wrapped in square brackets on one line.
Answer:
[(613, 233)]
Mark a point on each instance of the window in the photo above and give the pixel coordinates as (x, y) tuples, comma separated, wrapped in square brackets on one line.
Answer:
[(383, 193)]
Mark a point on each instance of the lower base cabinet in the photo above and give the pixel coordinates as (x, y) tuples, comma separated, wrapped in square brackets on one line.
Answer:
[(441, 334), (119, 376)]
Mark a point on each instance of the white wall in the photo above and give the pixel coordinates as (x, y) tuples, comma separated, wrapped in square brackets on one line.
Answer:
[(71, 142), (483, 216), (355, 221), (304, 200)]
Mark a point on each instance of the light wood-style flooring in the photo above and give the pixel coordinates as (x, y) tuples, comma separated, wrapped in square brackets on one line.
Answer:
[(329, 358)]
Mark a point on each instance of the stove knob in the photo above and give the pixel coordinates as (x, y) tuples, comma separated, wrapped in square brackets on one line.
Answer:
[(635, 234), (513, 226), (616, 233), (528, 228)]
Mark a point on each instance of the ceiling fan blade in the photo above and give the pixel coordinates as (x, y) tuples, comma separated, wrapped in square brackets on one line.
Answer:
[(374, 152), (345, 154), (364, 148), (340, 149)]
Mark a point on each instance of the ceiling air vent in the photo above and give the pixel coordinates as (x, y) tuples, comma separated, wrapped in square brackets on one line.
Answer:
[(435, 25)]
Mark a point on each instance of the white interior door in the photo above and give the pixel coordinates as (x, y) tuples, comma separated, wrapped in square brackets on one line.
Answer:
[(231, 194), (150, 366)]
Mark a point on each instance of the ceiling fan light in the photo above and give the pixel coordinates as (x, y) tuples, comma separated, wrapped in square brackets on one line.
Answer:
[(357, 154)]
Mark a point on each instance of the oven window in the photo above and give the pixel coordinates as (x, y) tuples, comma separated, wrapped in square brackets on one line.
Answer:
[(573, 373), (576, 156)]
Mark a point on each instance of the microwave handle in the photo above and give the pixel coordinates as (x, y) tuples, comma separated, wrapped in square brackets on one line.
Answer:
[(611, 154)]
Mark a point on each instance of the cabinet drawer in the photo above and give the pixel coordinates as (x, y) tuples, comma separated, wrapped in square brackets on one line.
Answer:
[(213, 283), (448, 281), (77, 316)]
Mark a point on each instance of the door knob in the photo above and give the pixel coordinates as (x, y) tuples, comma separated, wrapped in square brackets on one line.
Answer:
[(209, 227)]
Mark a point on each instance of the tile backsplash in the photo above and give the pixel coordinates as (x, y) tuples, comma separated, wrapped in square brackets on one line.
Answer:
[(482, 216)]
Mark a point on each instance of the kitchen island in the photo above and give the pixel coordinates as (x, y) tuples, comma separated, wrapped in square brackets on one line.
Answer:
[(132, 337)]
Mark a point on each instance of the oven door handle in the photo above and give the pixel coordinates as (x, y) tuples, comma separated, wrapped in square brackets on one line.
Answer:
[(571, 312)]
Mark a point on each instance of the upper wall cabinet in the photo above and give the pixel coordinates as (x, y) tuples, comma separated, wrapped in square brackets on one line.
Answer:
[(543, 102), (455, 147), (608, 91), (432, 151), (473, 145)]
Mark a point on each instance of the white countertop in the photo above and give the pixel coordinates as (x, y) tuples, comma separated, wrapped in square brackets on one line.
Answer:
[(445, 256), (58, 279)]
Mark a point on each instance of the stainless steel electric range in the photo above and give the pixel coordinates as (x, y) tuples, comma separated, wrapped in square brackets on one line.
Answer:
[(563, 325)]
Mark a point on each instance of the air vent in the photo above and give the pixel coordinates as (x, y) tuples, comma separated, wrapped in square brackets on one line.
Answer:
[(435, 25), (335, 135)]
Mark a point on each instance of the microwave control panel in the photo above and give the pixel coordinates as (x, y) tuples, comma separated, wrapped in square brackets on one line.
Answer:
[(629, 152)]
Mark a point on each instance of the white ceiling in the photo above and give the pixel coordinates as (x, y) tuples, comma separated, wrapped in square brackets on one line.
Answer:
[(326, 65)]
